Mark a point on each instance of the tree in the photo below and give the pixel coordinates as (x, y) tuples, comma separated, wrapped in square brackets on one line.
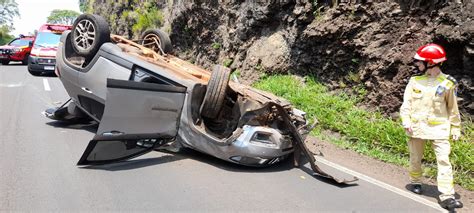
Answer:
[(62, 17), (4, 36), (83, 5), (8, 10)]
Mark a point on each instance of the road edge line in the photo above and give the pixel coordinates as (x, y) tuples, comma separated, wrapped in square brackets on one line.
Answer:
[(382, 184)]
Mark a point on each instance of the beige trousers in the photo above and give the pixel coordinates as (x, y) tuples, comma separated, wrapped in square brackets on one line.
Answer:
[(442, 149)]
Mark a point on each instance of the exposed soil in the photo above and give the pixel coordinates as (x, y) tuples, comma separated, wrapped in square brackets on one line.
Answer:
[(388, 173), (369, 45)]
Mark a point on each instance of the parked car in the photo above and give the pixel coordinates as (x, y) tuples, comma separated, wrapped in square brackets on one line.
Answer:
[(16, 50), (144, 98), (42, 58)]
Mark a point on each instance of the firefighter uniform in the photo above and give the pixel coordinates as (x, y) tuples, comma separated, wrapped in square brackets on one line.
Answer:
[(430, 109)]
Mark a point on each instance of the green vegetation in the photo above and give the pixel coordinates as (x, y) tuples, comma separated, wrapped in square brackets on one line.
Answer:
[(227, 62), (5, 37), (149, 17), (8, 11), (368, 133), (86, 6), (216, 45), (62, 17), (317, 10)]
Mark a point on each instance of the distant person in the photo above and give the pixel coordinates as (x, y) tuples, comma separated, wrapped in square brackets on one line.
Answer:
[(430, 113)]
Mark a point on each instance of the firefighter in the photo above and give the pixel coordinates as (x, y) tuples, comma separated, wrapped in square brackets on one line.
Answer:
[(430, 113)]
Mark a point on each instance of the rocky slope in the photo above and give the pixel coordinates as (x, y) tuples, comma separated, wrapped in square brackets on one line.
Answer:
[(366, 45)]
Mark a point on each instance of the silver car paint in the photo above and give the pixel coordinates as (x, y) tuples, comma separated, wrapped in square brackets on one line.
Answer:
[(141, 112), (188, 134), (95, 79)]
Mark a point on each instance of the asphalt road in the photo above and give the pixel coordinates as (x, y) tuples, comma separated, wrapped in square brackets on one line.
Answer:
[(38, 171)]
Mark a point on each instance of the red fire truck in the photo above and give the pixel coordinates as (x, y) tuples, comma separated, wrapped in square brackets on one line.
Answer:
[(42, 58), (17, 50)]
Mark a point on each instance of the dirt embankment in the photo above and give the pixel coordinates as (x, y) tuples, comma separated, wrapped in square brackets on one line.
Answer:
[(370, 45)]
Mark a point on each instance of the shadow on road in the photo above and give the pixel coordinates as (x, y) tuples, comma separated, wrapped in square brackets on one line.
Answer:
[(430, 191), (88, 126), (284, 165), (136, 164), (15, 64)]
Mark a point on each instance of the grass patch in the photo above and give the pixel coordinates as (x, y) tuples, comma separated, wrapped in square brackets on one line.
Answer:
[(368, 133), (149, 17)]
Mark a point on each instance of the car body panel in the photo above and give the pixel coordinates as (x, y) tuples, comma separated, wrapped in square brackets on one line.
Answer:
[(137, 116), (113, 148), (93, 81), (141, 108)]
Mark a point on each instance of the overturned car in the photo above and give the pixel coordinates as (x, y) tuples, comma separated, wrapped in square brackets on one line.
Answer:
[(145, 98)]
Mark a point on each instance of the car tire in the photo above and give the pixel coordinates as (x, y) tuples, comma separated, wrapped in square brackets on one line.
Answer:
[(5, 62), (25, 59), (156, 38), (215, 92), (88, 34)]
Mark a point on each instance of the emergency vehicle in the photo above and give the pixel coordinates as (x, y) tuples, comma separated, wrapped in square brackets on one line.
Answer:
[(42, 58), (17, 50)]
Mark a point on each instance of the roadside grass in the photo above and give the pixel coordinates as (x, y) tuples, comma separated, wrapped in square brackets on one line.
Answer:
[(369, 133)]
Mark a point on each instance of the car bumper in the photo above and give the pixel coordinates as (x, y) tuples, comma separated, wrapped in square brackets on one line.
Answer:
[(245, 149), (11, 57), (40, 65), (249, 149)]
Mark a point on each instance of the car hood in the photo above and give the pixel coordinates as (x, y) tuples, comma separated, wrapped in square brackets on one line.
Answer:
[(8, 47), (45, 51)]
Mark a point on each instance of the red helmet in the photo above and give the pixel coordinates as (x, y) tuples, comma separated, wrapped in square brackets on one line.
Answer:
[(431, 53)]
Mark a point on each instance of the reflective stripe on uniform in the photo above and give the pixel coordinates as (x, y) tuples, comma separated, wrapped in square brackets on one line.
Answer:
[(420, 77), (415, 174), (437, 121), (445, 183), (449, 84), (440, 78)]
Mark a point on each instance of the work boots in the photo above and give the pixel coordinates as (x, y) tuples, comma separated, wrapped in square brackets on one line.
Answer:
[(416, 188), (451, 204)]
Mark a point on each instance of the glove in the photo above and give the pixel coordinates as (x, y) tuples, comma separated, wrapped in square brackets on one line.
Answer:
[(455, 133), (408, 130)]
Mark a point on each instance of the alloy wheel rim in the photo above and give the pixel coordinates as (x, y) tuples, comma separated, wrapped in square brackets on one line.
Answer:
[(84, 35)]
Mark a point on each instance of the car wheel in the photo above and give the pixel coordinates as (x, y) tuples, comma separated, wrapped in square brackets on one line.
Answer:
[(25, 59), (89, 32), (216, 92), (5, 62), (156, 39)]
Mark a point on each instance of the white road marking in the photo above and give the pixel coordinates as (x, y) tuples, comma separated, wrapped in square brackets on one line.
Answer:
[(12, 85), (382, 184), (46, 85)]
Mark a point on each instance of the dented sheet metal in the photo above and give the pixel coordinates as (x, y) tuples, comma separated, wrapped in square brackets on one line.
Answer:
[(301, 146), (254, 109), (254, 105)]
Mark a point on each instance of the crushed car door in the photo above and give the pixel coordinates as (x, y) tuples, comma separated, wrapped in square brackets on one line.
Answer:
[(137, 117)]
